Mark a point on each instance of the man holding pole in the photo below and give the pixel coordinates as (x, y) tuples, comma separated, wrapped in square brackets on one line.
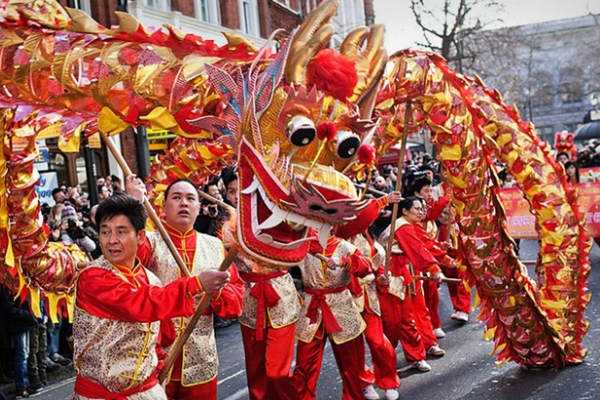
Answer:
[(118, 308), (194, 375)]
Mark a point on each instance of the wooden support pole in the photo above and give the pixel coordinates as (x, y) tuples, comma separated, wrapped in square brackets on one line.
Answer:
[(215, 200), (388, 250), (151, 213), (428, 278)]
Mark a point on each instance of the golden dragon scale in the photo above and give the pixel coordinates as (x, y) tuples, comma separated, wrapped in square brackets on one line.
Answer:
[(293, 134), (534, 324)]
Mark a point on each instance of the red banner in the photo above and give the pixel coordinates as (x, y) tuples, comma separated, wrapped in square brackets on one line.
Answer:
[(589, 203), (519, 219), (521, 222), (589, 174)]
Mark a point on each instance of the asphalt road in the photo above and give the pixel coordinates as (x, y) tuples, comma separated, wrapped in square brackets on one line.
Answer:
[(467, 372)]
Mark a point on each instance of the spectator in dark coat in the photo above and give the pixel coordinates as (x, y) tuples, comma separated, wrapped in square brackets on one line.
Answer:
[(19, 319)]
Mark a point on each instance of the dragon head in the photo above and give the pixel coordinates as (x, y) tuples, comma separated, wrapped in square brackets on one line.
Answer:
[(300, 119)]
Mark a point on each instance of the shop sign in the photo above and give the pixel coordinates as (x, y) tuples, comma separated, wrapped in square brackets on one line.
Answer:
[(94, 141), (43, 156), (48, 182), (155, 134), (521, 222), (154, 145)]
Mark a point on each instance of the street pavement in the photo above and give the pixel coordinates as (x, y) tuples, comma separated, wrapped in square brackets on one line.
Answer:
[(466, 372)]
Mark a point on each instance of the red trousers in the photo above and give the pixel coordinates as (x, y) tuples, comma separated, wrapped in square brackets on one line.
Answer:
[(309, 358), (407, 321), (432, 301), (205, 391), (459, 294), (268, 363), (383, 355)]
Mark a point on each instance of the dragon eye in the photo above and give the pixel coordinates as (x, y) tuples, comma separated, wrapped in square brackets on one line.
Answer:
[(346, 144), (301, 131)]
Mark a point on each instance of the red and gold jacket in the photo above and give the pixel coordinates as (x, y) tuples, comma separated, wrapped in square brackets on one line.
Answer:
[(326, 296), (199, 362), (116, 323)]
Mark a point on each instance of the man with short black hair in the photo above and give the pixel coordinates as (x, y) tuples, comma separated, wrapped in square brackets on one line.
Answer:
[(58, 195), (118, 308)]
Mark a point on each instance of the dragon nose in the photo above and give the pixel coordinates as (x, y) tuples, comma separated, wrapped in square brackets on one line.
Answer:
[(319, 208)]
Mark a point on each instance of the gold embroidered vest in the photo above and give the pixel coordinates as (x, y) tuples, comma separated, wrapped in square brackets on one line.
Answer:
[(397, 287), (200, 360), (316, 275), (118, 355), (369, 283), (286, 311)]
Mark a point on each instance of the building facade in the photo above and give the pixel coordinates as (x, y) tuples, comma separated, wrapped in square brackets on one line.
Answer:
[(549, 70)]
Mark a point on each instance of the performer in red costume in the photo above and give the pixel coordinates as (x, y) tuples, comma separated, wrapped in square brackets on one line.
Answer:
[(365, 295), (271, 306), (329, 311), (194, 374), (459, 294), (364, 291), (405, 316), (118, 308), (422, 188)]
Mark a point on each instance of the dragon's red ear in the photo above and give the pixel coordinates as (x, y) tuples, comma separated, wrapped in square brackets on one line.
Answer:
[(333, 74)]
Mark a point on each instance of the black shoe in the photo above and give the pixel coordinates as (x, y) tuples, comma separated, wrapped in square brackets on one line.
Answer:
[(57, 358), (51, 366), (36, 388)]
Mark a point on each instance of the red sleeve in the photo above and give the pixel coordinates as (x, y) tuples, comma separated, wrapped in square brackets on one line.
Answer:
[(433, 246), (314, 246), (227, 304), (414, 249), (144, 253), (358, 264), (106, 295), (363, 219), (435, 208), (443, 233), (355, 286)]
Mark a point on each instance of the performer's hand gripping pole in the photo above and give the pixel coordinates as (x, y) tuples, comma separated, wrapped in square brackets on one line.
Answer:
[(204, 303), (388, 249)]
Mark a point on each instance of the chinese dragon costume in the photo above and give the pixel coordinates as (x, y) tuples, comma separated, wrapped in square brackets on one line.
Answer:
[(300, 123)]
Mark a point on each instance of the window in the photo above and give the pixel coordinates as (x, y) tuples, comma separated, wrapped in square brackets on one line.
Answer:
[(208, 11), (541, 96), (160, 4), (83, 5), (570, 127), (310, 5), (58, 163), (249, 17), (545, 133), (570, 92)]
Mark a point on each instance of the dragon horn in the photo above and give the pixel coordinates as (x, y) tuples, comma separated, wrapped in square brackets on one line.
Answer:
[(370, 64), (309, 38)]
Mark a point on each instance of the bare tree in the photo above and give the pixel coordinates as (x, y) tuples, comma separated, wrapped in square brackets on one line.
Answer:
[(448, 24)]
